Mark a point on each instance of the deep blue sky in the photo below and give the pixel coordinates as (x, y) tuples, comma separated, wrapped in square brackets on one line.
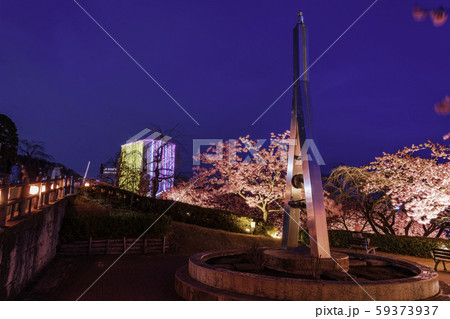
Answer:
[(63, 81)]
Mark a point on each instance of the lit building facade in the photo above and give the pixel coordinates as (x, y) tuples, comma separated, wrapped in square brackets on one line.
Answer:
[(150, 159)]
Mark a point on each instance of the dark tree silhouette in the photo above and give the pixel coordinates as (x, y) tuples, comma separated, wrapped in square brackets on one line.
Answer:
[(8, 143), (35, 158), (32, 150), (158, 172)]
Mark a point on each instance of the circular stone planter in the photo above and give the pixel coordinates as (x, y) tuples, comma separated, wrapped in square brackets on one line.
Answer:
[(228, 283)]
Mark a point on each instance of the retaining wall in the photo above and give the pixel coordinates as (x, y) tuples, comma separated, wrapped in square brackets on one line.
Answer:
[(27, 247)]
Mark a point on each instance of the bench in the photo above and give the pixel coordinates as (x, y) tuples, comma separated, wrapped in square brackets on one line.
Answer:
[(441, 255), (364, 243)]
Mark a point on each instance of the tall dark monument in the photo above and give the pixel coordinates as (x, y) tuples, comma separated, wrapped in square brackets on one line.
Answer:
[(303, 173)]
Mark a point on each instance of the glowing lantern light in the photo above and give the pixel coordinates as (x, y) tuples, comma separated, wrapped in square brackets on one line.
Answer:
[(34, 190), (87, 184), (51, 187), (275, 235)]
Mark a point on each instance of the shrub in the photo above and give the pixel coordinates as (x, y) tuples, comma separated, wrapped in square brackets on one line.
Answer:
[(218, 219), (413, 246), (182, 212), (403, 245), (99, 225)]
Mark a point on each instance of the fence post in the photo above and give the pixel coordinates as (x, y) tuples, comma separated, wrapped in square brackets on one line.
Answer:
[(64, 190), (24, 192), (4, 191), (42, 201), (39, 198), (56, 189), (60, 189), (47, 192), (53, 192), (71, 185)]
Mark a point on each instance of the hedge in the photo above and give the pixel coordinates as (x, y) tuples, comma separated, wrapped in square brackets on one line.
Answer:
[(100, 225), (190, 214), (403, 245)]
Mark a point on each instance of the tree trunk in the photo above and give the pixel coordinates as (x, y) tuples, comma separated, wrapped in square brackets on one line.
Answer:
[(427, 231), (441, 230), (265, 213), (131, 200), (408, 227)]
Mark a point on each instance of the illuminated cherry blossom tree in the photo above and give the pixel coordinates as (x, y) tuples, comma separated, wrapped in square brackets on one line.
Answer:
[(417, 186), (246, 178), (243, 167), (360, 208)]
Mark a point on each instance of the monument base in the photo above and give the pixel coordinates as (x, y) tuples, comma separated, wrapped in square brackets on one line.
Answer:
[(203, 279), (303, 263)]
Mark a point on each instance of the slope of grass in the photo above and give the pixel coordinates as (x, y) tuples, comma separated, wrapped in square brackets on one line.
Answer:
[(190, 239)]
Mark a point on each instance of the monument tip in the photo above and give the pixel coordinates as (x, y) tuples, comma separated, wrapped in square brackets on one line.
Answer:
[(300, 18)]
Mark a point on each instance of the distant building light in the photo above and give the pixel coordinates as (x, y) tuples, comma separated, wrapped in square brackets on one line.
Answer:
[(253, 224), (43, 188), (109, 171), (149, 155), (247, 230)]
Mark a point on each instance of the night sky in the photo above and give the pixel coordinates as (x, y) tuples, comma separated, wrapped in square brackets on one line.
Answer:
[(65, 82)]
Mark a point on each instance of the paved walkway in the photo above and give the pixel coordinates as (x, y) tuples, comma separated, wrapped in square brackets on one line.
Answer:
[(133, 277)]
